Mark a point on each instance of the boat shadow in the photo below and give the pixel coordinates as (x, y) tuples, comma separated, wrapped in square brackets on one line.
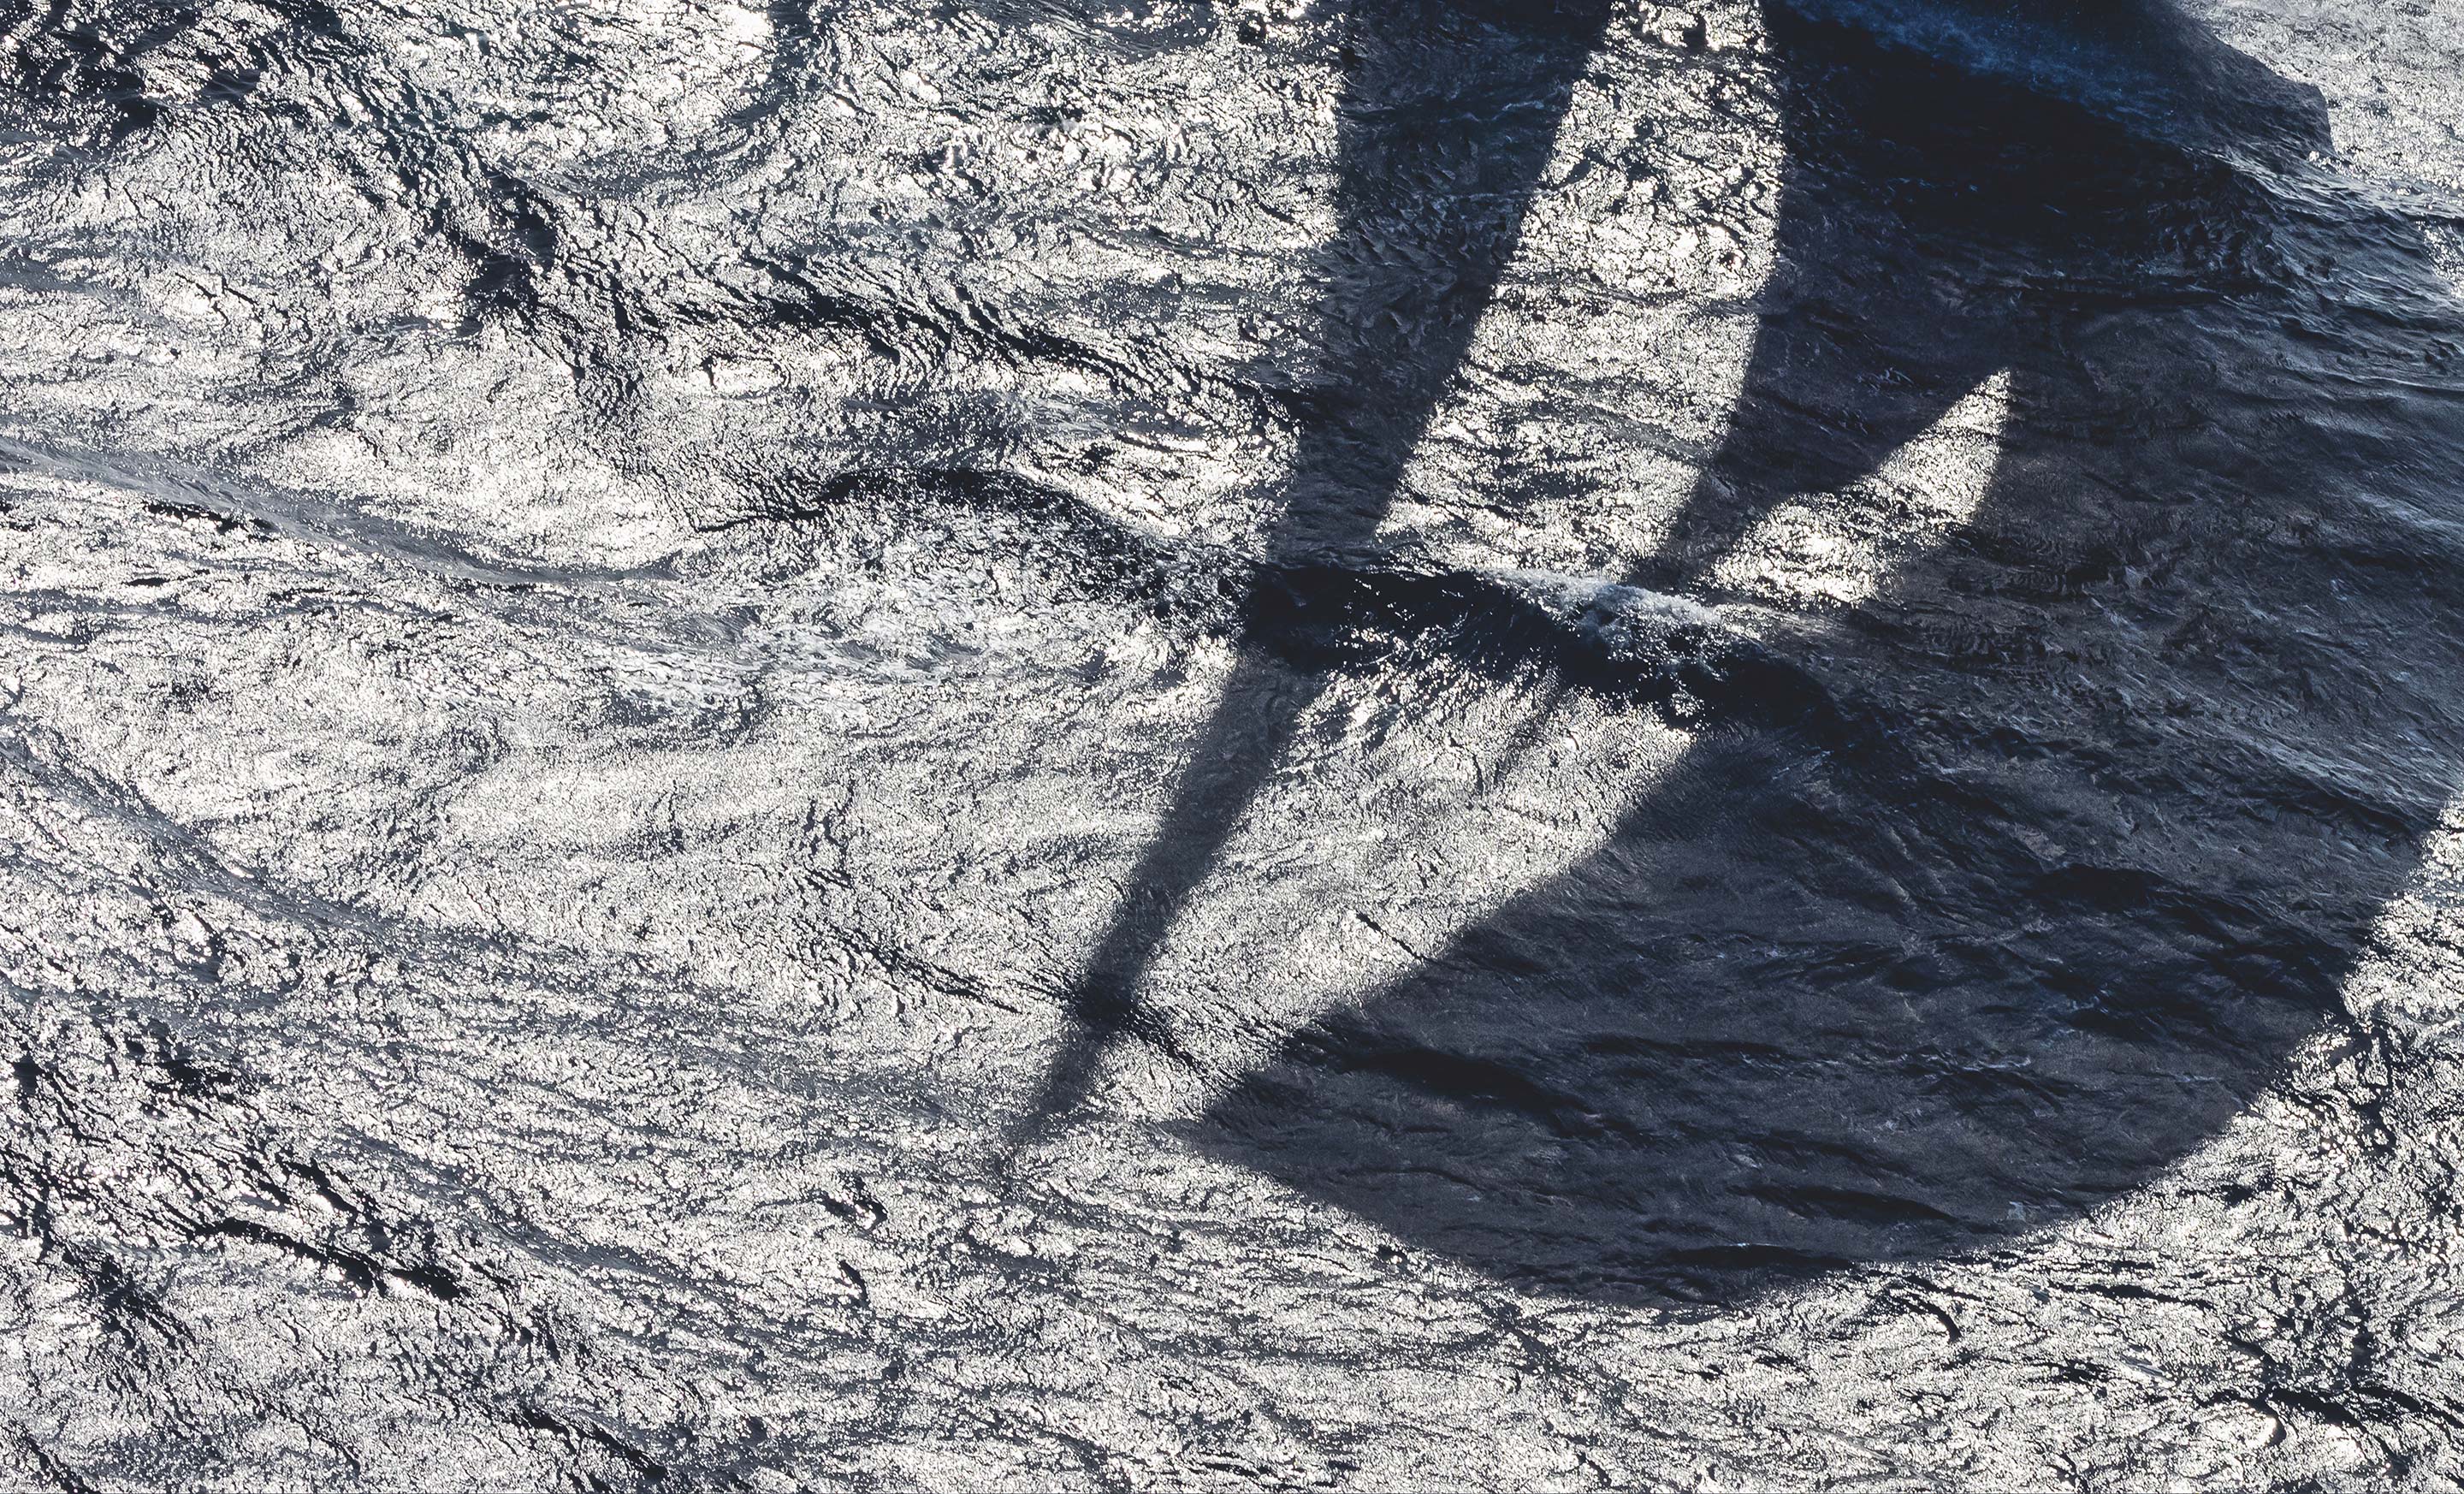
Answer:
[(2046, 857)]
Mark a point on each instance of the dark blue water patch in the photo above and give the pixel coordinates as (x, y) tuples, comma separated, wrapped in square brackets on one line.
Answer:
[(2069, 902)]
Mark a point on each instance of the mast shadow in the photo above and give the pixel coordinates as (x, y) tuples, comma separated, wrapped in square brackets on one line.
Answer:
[(1446, 127)]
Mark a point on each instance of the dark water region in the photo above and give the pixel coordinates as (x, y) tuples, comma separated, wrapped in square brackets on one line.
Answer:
[(1970, 902), (1961, 921)]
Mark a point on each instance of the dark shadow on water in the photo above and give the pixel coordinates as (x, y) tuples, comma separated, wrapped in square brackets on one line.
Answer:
[(2089, 813)]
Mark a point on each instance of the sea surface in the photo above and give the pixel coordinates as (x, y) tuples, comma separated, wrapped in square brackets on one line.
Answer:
[(1038, 744)]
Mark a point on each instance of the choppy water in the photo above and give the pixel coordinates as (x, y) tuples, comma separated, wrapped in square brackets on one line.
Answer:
[(1036, 745)]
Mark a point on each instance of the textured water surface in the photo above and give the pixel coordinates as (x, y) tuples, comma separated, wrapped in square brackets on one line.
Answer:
[(1039, 745)]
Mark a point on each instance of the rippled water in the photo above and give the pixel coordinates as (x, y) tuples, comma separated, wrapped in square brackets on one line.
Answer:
[(1040, 745)]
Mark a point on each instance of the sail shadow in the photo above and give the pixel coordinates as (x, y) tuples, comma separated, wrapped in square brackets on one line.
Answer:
[(2119, 780)]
